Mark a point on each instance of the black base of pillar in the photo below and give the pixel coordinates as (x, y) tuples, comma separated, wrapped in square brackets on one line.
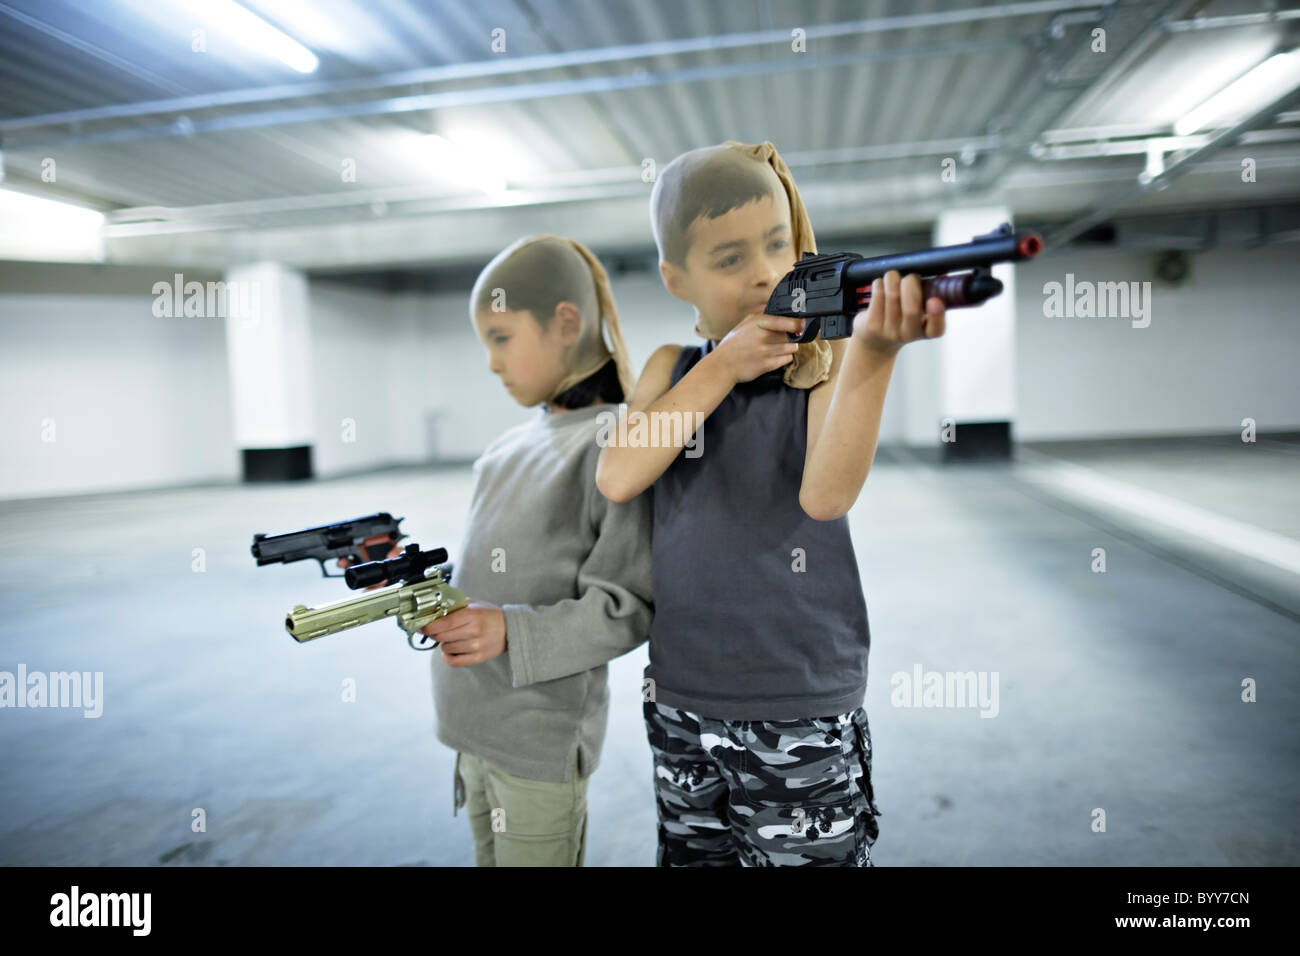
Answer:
[(277, 464), (978, 441)]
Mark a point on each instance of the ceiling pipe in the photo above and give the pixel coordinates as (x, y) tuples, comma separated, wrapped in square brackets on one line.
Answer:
[(513, 66), (1145, 184), (185, 126)]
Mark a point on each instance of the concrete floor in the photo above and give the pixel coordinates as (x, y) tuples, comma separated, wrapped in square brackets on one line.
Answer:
[(1118, 691)]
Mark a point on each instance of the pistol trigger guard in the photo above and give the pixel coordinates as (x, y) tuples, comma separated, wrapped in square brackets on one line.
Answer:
[(325, 573)]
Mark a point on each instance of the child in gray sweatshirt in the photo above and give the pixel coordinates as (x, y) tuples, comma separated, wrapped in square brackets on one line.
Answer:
[(558, 576)]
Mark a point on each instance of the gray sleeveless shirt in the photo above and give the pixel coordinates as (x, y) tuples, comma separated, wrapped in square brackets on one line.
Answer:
[(759, 610)]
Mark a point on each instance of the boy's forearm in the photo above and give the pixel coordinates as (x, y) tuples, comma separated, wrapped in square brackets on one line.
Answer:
[(838, 464), (625, 471)]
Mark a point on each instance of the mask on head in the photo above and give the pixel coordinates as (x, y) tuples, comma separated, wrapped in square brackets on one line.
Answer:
[(537, 273), (812, 361)]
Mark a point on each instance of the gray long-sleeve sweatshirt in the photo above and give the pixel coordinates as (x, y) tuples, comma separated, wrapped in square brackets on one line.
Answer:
[(572, 572)]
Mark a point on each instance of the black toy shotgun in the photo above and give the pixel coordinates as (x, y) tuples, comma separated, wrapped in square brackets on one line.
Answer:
[(829, 289)]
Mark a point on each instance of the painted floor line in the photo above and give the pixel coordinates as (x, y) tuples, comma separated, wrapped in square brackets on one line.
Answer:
[(1084, 483)]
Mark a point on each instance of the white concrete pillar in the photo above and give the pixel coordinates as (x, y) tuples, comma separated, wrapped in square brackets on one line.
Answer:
[(268, 346), (967, 378)]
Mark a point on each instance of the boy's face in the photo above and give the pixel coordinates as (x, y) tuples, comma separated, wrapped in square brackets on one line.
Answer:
[(734, 262), (528, 360)]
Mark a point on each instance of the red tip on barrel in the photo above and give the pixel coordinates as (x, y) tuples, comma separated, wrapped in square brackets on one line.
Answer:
[(1030, 246)]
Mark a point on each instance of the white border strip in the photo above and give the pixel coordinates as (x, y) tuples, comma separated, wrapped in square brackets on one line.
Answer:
[(1078, 482)]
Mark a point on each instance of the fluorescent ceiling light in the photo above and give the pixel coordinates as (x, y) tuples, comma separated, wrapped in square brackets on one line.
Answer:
[(504, 144), (1269, 80), (253, 32), (35, 228), (464, 165)]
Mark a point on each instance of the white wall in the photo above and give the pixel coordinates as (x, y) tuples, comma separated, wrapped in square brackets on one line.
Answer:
[(1220, 348), (134, 400), (365, 359), (139, 401)]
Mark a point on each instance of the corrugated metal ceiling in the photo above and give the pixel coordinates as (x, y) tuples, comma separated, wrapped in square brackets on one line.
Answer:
[(991, 79)]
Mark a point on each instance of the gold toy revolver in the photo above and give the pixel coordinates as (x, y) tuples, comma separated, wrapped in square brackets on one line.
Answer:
[(424, 595)]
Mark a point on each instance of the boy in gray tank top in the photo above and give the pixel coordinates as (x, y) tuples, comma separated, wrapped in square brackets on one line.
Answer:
[(758, 650)]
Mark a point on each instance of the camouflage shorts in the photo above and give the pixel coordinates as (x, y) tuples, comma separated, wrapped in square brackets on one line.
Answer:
[(762, 793)]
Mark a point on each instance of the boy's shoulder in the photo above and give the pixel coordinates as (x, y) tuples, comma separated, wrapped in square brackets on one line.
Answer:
[(665, 357), (666, 352), (656, 377)]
